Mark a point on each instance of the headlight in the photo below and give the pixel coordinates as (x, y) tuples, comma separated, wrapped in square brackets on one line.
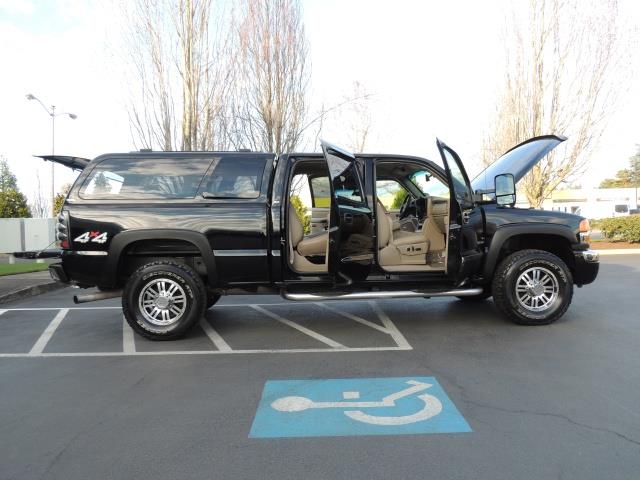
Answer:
[(585, 231)]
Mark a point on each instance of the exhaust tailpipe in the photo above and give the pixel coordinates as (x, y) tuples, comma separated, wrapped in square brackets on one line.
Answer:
[(92, 297)]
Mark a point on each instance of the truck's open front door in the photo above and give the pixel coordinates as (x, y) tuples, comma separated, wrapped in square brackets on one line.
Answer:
[(350, 224), (466, 227)]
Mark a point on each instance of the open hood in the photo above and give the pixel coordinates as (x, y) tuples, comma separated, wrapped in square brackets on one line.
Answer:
[(75, 163), (517, 161)]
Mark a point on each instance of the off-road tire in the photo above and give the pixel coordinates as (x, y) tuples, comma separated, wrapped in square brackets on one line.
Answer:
[(504, 287), (185, 277), (212, 298), (481, 297)]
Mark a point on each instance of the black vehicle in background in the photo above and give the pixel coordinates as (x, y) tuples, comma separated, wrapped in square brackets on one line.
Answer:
[(171, 232)]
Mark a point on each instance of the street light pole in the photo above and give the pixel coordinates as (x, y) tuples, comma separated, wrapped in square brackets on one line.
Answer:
[(52, 113), (53, 164)]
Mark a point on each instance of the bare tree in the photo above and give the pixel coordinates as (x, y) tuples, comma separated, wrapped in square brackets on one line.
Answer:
[(39, 204), (356, 118), (181, 55), (270, 99), (562, 77)]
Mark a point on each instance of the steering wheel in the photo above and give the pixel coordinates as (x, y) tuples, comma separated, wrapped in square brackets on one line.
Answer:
[(408, 205)]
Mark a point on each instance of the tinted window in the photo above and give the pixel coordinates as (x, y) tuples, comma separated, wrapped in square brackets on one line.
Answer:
[(234, 178), (390, 193), (347, 188), (429, 185), (463, 194), (136, 178), (321, 192)]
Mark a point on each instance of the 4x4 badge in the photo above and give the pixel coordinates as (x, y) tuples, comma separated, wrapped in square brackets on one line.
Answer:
[(92, 236)]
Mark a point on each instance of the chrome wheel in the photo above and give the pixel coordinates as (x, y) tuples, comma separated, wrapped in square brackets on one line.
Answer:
[(537, 289), (162, 302)]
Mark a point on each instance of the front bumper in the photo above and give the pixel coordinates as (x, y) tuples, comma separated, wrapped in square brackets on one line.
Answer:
[(587, 264)]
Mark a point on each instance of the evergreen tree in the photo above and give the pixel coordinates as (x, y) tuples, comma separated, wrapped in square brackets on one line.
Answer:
[(7, 179), (13, 203), (629, 177)]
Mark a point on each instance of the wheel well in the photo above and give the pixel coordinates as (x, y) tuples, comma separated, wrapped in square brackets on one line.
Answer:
[(555, 244), (141, 252)]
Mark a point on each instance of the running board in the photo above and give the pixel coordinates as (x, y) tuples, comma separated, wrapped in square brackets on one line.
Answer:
[(314, 297)]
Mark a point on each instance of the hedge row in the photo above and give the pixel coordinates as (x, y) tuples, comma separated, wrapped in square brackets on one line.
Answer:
[(622, 228)]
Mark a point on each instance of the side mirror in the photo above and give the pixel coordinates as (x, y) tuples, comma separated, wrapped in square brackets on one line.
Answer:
[(505, 190)]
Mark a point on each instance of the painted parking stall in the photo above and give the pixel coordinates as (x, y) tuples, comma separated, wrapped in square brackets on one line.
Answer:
[(228, 329), (355, 406)]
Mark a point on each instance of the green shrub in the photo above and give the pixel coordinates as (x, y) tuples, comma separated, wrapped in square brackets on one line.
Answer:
[(622, 228)]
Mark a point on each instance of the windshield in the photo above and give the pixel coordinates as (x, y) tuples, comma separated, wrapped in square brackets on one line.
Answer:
[(428, 184)]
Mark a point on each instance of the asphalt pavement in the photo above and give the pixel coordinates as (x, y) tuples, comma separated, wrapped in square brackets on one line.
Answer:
[(82, 397)]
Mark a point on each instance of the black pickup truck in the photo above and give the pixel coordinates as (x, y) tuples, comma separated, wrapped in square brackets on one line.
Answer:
[(171, 232)]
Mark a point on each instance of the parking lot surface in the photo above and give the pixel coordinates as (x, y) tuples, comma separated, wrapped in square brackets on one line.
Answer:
[(84, 397)]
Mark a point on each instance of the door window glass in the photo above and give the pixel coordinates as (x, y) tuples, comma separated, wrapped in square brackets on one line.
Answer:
[(235, 178), (321, 192), (461, 190), (390, 193), (429, 184), (347, 188)]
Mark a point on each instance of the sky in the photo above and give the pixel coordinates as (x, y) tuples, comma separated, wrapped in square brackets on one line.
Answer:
[(434, 69)]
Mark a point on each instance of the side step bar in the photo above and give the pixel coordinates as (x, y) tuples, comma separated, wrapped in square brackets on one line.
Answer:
[(314, 297), (93, 297)]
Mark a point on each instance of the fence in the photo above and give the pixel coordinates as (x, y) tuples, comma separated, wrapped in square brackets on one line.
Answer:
[(23, 234)]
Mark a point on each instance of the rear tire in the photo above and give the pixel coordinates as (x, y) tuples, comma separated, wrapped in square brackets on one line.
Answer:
[(163, 299), (532, 287)]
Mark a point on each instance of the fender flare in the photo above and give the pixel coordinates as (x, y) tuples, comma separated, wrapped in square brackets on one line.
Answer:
[(506, 232), (126, 238)]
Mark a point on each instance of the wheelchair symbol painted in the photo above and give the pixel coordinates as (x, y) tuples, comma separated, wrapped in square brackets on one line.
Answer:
[(432, 406)]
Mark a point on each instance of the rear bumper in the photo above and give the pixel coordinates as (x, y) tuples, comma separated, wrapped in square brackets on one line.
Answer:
[(57, 273), (587, 265)]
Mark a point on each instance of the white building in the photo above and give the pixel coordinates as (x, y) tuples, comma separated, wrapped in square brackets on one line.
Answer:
[(594, 202)]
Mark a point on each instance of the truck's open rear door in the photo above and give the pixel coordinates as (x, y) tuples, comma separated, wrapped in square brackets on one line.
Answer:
[(351, 227)]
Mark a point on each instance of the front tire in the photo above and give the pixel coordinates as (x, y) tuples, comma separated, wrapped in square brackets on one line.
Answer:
[(532, 287), (163, 299)]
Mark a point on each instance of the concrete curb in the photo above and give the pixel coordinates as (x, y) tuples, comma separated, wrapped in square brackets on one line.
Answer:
[(619, 251), (31, 291)]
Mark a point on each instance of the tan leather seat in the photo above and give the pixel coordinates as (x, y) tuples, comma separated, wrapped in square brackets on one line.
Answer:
[(410, 248), (301, 246)]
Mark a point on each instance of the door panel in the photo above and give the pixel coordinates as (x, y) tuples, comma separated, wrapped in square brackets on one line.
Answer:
[(351, 226)]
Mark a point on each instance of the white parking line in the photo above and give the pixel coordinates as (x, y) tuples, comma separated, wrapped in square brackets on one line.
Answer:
[(128, 342), (214, 336), (41, 343), (203, 352), (393, 330), (128, 335), (300, 328), (356, 318)]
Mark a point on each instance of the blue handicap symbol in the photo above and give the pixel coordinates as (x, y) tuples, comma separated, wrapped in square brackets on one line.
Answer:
[(355, 406)]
